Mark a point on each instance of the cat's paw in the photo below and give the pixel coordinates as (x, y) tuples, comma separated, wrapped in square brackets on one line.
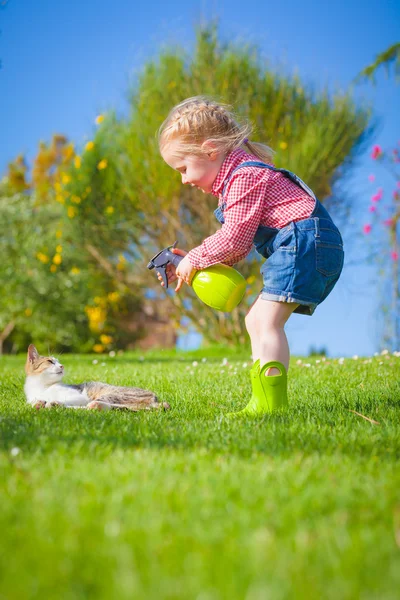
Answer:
[(39, 404), (95, 405), (53, 404)]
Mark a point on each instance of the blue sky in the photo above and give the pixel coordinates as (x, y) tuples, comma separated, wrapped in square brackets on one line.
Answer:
[(65, 62)]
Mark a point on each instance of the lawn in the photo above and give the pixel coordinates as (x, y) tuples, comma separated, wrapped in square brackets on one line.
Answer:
[(188, 505)]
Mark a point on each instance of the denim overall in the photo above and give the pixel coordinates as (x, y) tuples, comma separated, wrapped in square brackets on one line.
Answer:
[(304, 258)]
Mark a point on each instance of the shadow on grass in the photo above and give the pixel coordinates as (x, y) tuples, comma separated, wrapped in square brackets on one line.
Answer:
[(321, 430)]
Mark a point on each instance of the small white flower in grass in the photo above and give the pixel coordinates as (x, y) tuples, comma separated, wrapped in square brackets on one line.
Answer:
[(323, 359), (95, 361), (355, 357), (396, 353), (384, 352), (187, 368), (381, 363), (317, 362), (111, 353), (307, 365), (203, 360), (299, 362), (244, 365), (341, 361), (376, 354), (103, 364), (224, 362), (15, 451), (195, 363)]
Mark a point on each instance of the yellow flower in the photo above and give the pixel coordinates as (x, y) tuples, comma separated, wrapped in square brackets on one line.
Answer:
[(88, 189), (98, 348), (60, 199), (109, 210), (77, 162), (65, 178), (75, 271), (58, 233), (89, 146), (283, 145), (57, 186), (71, 212), (28, 312), (99, 119), (106, 339), (57, 259), (59, 248), (113, 296), (102, 164), (75, 199), (96, 316), (42, 257), (53, 268), (122, 262)]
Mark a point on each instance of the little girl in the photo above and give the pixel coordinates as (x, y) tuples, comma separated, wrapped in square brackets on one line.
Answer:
[(261, 205)]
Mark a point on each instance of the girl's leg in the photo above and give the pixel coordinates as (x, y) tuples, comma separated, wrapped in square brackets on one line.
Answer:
[(265, 324)]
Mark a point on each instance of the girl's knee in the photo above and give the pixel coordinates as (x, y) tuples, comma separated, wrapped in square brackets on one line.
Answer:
[(250, 321)]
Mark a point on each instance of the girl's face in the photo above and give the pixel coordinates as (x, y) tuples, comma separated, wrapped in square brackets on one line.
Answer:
[(197, 171)]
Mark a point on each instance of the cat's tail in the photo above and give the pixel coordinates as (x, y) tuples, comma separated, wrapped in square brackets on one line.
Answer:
[(135, 408)]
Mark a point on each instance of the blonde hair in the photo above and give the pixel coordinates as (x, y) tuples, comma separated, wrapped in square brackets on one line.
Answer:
[(198, 119)]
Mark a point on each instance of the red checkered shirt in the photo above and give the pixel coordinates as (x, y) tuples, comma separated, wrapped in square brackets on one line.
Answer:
[(253, 197)]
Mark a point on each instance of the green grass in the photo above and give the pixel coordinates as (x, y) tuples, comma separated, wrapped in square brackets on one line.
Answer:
[(187, 505)]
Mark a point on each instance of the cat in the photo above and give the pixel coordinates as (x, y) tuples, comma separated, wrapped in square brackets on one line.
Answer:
[(43, 389)]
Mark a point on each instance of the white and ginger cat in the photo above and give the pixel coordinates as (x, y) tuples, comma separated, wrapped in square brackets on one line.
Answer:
[(43, 389)]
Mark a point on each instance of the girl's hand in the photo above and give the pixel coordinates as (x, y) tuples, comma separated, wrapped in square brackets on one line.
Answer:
[(172, 270), (185, 272)]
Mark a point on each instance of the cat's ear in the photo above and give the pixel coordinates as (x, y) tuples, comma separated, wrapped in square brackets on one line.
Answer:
[(33, 354)]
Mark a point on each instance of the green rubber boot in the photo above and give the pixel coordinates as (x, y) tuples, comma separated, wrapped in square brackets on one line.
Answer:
[(269, 391)]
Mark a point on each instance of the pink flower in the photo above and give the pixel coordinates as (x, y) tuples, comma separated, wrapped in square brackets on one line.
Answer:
[(372, 208), (367, 229), (396, 195), (371, 177), (394, 255), (378, 196), (388, 222), (398, 184), (376, 152)]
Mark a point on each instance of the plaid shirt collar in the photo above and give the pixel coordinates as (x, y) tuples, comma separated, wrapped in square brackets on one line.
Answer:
[(232, 160)]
